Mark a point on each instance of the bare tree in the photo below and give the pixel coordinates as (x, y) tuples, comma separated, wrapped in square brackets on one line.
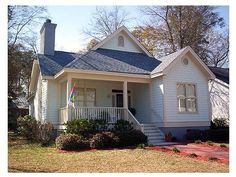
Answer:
[(104, 22)]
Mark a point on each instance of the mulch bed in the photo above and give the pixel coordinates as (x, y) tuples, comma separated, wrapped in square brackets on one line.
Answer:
[(205, 158)]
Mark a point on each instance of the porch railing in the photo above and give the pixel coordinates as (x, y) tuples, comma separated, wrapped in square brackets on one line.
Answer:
[(111, 114)]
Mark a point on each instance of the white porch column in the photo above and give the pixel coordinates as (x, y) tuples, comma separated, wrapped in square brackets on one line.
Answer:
[(125, 95), (68, 88)]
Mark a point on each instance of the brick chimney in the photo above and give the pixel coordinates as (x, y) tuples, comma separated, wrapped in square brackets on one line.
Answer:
[(47, 38)]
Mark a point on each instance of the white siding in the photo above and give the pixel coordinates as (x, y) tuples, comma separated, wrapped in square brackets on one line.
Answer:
[(219, 95), (44, 99), (52, 101), (157, 94), (189, 74), (38, 100), (141, 99), (129, 46)]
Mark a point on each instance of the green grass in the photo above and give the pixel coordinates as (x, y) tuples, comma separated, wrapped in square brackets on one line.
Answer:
[(175, 150), (213, 158), (28, 157)]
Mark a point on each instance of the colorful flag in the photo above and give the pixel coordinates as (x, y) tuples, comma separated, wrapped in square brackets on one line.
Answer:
[(72, 97)]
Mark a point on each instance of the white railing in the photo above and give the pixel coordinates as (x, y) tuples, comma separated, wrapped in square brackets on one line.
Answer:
[(111, 114), (133, 120), (63, 115)]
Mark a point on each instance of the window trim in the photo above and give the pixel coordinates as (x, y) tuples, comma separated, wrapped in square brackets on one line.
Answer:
[(196, 98), (121, 43)]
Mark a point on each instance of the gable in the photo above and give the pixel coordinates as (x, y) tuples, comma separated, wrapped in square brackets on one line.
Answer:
[(129, 45)]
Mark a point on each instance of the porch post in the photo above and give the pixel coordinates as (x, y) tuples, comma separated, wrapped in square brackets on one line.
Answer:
[(125, 95), (68, 86)]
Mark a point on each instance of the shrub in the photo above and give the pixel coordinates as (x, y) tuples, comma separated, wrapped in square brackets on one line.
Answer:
[(210, 143), (132, 110), (71, 142), (198, 142), (213, 158), (86, 127), (131, 138), (193, 155), (219, 123), (123, 125), (27, 126), (175, 150), (211, 134), (223, 146), (141, 146), (44, 133), (104, 140)]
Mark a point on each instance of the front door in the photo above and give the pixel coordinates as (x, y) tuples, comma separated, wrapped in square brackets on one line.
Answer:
[(119, 100)]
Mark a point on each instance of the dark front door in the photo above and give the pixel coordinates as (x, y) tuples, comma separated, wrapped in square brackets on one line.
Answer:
[(119, 100)]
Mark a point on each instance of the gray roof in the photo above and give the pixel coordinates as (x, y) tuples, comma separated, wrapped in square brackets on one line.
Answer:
[(166, 60), (221, 73), (98, 60)]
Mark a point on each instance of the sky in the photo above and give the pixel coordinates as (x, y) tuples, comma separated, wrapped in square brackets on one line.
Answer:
[(71, 20)]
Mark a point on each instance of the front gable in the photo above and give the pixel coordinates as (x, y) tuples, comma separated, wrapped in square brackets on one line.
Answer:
[(131, 44)]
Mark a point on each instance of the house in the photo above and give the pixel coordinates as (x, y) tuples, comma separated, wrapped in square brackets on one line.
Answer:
[(219, 93), (169, 94)]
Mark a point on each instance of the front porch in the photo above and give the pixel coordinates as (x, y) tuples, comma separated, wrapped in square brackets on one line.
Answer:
[(111, 99)]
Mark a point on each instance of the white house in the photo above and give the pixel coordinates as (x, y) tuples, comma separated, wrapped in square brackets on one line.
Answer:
[(219, 93), (169, 94)]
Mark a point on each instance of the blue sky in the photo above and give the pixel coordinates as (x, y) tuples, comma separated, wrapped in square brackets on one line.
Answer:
[(71, 20)]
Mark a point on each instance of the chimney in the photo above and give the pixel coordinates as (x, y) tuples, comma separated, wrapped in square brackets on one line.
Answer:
[(47, 38)]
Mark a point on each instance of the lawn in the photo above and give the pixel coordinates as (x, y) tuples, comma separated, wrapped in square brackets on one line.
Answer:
[(29, 157)]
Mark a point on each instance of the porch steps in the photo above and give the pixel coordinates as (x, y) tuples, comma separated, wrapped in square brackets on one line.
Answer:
[(154, 134)]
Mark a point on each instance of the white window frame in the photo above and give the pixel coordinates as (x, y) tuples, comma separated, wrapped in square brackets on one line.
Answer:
[(85, 96), (186, 98)]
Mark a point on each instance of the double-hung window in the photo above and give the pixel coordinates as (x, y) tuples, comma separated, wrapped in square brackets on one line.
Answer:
[(85, 97), (186, 97)]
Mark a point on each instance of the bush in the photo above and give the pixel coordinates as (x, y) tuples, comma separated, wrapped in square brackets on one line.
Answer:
[(71, 142), (141, 146), (198, 142), (211, 134), (44, 133), (131, 138), (193, 155), (104, 140), (176, 150), (123, 125), (213, 158), (133, 111), (223, 146), (210, 143), (27, 126), (219, 123), (86, 127)]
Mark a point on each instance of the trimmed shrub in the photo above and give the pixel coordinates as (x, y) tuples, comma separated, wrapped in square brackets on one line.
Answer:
[(71, 142), (104, 140), (141, 146), (44, 133), (175, 150), (211, 134), (86, 127), (123, 125), (131, 138), (26, 127)]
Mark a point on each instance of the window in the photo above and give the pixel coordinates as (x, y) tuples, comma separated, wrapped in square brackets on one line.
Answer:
[(85, 97), (121, 42), (186, 98)]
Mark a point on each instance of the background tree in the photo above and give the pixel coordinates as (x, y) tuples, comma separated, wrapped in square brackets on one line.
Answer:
[(22, 46), (104, 22), (174, 27)]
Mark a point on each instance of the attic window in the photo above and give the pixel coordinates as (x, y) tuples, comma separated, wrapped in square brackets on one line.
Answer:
[(121, 42), (185, 61)]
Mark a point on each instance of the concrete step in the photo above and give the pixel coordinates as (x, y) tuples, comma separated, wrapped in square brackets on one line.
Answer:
[(155, 137)]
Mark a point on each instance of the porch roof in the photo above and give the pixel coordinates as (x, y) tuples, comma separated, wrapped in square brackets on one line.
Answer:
[(98, 60)]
